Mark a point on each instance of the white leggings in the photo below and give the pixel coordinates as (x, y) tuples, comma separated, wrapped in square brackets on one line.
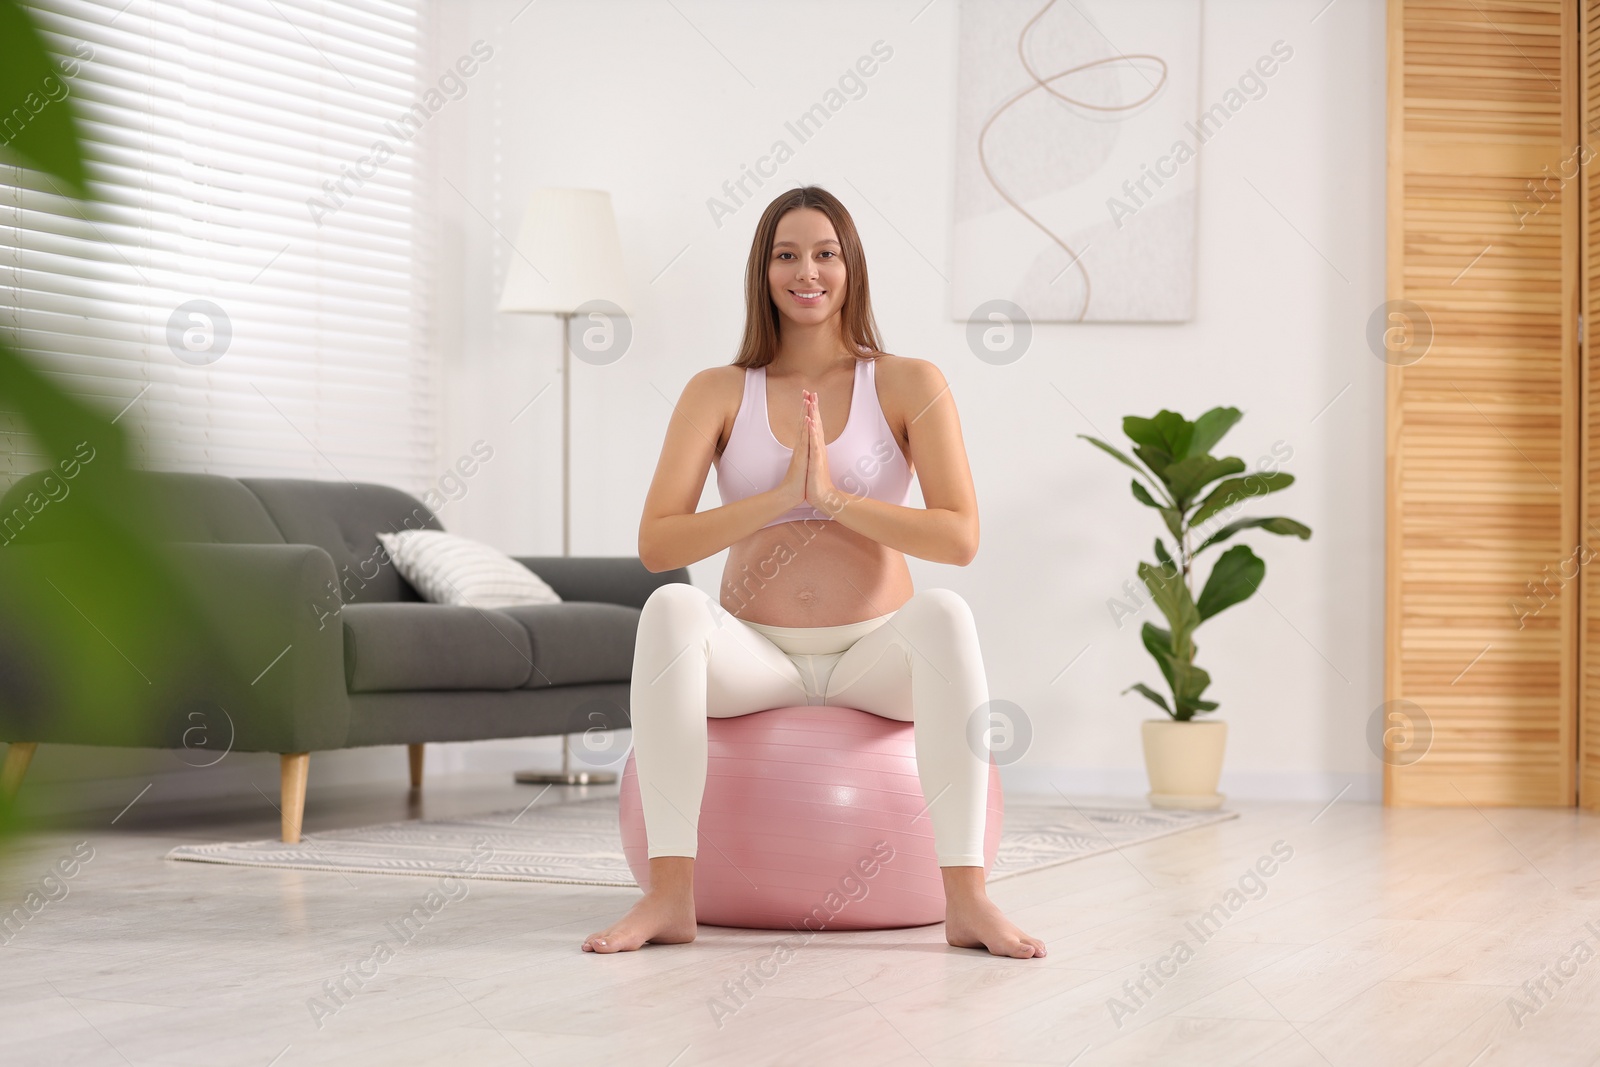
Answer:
[(920, 663)]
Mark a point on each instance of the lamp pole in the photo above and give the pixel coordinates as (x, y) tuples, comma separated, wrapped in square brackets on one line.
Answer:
[(577, 230), (566, 437), (566, 775)]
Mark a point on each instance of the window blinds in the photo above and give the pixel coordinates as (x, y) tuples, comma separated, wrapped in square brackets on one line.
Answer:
[(247, 288)]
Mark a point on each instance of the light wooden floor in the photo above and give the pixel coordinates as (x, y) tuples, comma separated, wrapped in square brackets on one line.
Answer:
[(1389, 937)]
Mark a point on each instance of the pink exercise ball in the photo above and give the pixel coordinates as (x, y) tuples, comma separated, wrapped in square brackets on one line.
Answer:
[(812, 819)]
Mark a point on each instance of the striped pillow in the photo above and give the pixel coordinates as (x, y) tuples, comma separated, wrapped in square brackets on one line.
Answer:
[(447, 569)]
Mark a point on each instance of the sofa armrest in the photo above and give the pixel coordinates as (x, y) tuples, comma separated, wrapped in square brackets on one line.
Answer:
[(275, 610), (88, 657), (607, 579)]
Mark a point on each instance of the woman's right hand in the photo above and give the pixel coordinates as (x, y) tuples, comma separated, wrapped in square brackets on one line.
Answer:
[(793, 487)]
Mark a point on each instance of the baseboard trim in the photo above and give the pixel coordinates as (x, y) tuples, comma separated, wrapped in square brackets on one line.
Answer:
[(1033, 779), (71, 778)]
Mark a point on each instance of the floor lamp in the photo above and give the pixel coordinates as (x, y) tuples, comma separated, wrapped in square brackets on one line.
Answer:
[(566, 261)]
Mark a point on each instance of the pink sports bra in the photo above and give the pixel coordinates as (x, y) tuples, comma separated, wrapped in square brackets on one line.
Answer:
[(864, 460)]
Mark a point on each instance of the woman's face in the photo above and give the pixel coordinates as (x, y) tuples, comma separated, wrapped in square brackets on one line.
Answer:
[(806, 271)]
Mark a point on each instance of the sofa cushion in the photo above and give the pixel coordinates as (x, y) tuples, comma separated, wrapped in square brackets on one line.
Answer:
[(344, 519), (392, 647), (578, 641)]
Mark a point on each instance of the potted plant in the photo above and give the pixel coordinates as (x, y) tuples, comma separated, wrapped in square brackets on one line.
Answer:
[(1175, 467)]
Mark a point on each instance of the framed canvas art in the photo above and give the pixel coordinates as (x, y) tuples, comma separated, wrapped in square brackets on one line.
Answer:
[(1077, 147)]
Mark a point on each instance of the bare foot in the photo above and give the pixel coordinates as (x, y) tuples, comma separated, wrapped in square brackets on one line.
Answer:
[(664, 915), (661, 918), (979, 924), (971, 919)]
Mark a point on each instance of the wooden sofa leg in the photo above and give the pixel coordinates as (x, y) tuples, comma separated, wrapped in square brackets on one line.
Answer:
[(415, 754), (18, 755), (293, 767)]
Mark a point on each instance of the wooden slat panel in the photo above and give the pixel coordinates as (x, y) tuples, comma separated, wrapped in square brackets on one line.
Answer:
[(1484, 462), (1589, 584)]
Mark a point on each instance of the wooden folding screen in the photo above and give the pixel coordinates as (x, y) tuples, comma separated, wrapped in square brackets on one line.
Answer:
[(1483, 430), (1589, 434)]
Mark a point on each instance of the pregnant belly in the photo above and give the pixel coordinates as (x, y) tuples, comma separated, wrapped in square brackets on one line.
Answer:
[(813, 574)]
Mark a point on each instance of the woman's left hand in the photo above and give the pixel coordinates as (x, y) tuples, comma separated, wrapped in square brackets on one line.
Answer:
[(820, 491)]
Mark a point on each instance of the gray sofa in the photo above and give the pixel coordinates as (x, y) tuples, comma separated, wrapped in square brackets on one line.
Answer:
[(293, 569)]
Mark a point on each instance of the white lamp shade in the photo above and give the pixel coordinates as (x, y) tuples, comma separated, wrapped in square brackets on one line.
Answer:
[(567, 254)]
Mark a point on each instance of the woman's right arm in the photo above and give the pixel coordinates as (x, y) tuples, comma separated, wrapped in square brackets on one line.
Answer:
[(671, 532)]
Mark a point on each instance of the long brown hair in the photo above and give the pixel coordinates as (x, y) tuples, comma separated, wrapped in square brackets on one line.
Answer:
[(760, 344)]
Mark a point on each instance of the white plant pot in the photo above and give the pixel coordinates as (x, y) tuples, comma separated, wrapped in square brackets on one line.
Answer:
[(1184, 762)]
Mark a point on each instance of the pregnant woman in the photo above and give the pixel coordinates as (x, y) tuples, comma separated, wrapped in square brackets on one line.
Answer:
[(814, 432)]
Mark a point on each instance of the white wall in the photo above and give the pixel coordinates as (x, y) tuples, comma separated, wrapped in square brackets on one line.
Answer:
[(633, 98)]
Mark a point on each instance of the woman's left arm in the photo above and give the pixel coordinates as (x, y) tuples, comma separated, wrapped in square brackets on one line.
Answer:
[(946, 530)]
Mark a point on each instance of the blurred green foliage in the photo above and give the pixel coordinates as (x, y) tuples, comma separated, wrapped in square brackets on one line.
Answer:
[(99, 631)]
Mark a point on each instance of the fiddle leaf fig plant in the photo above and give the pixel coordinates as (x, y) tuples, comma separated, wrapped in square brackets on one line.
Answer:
[(1196, 494)]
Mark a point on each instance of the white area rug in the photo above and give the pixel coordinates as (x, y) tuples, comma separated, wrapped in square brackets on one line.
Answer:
[(580, 843)]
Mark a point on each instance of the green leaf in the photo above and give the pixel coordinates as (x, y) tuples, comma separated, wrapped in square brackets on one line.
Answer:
[(107, 635), (1187, 477), (1158, 643), (1209, 428), (1164, 555), (1150, 694), (1174, 520), (1158, 442), (1276, 524), (103, 600), (33, 88), (1164, 558), (59, 420), (1168, 432), (1115, 453), (1234, 578), (1142, 495), (1189, 711), (1158, 460), (1171, 595), (1188, 682), (1236, 490), (1168, 565)]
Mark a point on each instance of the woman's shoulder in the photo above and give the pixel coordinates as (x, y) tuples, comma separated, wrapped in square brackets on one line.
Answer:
[(711, 399), (723, 373), (908, 375), (906, 386), (716, 382)]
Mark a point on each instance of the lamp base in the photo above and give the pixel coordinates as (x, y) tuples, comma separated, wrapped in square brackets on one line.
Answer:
[(565, 777)]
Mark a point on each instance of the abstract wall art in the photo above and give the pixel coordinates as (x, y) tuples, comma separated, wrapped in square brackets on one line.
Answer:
[(1076, 159)]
